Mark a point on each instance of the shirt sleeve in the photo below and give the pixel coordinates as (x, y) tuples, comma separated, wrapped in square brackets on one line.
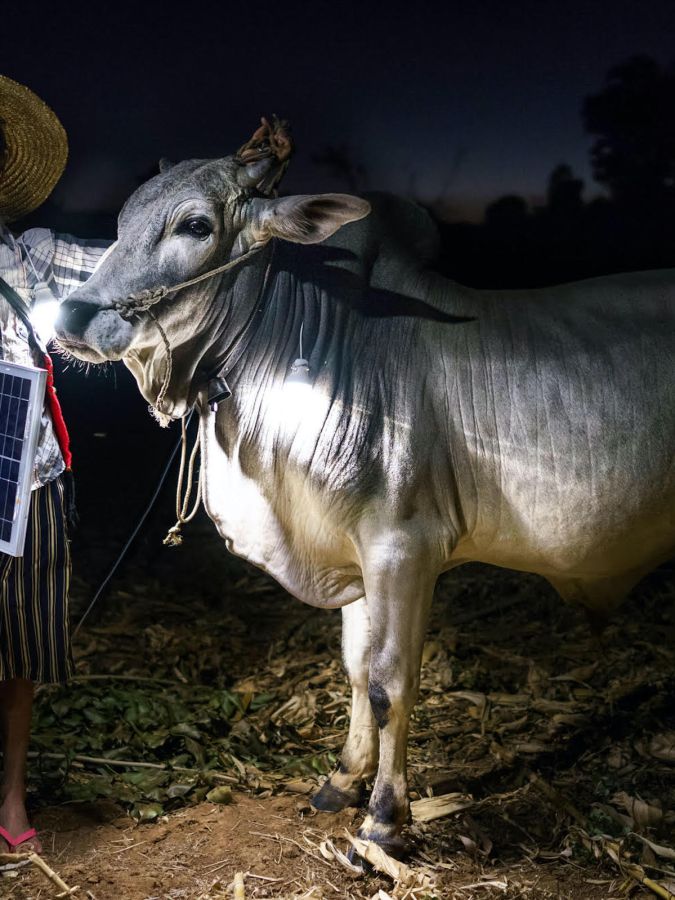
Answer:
[(73, 260)]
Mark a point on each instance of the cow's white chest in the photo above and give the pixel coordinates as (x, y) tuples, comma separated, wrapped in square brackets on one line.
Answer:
[(294, 541)]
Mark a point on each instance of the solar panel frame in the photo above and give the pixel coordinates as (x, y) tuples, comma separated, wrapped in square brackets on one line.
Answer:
[(22, 394)]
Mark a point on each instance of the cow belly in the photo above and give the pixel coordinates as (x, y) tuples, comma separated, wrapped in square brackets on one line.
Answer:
[(317, 571), (575, 533)]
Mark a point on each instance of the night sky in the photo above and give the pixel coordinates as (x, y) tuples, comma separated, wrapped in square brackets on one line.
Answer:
[(467, 100)]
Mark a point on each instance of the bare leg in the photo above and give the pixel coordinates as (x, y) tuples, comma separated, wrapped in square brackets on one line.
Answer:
[(398, 602), (359, 755), (16, 705)]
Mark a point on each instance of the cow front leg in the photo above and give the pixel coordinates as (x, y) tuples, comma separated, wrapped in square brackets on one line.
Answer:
[(398, 603), (359, 755)]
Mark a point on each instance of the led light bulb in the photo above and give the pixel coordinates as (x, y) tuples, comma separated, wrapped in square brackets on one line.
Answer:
[(297, 405), (45, 311), (299, 374), (297, 388)]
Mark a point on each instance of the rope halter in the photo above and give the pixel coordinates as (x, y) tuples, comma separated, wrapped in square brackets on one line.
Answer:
[(144, 300), (141, 302)]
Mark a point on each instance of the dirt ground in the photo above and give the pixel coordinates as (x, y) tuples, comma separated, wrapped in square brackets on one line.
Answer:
[(196, 852), (560, 742)]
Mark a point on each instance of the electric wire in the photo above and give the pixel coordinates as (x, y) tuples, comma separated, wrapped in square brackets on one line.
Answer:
[(144, 516)]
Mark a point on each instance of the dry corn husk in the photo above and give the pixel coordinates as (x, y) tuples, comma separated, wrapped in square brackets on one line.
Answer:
[(238, 887), (658, 849), (643, 814), (429, 808), (662, 746), (403, 875)]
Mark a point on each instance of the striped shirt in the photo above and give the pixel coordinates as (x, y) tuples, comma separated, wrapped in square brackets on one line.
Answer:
[(63, 263)]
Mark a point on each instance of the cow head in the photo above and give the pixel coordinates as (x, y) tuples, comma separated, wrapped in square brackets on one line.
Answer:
[(192, 217)]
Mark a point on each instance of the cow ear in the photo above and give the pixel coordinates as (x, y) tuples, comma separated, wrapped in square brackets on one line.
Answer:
[(309, 219), (165, 164)]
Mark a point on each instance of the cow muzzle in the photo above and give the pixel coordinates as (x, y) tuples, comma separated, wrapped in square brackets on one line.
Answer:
[(75, 316), (91, 333)]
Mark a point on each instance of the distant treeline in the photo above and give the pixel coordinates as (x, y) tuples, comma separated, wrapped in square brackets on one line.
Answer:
[(632, 122), (563, 241)]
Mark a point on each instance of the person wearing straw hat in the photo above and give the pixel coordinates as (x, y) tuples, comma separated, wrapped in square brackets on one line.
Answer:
[(36, 267)]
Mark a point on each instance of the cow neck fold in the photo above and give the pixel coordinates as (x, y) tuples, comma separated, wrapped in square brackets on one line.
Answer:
[(364, 364), (237, 323), (291, 299)]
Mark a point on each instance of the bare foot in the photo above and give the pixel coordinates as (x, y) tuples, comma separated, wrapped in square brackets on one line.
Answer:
[(14, 819)]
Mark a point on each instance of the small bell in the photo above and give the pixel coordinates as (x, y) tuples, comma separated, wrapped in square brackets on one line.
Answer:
[(217, 391)]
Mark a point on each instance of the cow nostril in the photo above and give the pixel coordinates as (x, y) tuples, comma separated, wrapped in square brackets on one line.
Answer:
[(75, 315)]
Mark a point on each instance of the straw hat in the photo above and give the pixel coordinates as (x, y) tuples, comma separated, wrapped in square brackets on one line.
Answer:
[(36, 150)]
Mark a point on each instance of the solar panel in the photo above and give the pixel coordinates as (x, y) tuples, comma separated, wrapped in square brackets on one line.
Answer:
[(22, 392)]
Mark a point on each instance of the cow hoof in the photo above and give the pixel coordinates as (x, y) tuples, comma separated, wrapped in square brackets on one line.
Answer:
[(393, 845), (332, 799)]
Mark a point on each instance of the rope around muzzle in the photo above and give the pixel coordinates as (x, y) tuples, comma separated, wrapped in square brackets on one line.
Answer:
[(143, 301), (132, 306)]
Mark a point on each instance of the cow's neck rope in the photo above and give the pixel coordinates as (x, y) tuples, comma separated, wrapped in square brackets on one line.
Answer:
[(142, 303), (174, 538)]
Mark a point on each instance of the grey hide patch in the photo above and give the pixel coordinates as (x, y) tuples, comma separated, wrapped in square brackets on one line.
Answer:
[(379, 703)]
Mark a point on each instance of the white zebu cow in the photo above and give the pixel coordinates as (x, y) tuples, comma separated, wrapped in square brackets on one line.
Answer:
[(532, 430)]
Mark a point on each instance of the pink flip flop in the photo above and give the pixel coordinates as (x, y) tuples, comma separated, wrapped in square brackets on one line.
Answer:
[(14, 842)]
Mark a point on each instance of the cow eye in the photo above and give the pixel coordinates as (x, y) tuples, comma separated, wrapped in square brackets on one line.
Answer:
[(196, 227)]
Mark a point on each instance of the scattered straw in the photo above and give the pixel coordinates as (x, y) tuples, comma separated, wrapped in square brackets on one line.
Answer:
[(35, 860)]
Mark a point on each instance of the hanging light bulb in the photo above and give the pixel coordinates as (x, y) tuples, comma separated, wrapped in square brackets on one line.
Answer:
[(299, 374), (296, 392), (44, 311), (298, 382), (297, 405), (294, 401)]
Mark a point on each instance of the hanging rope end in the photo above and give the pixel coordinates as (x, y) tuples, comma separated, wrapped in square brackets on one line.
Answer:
[(173, 536)]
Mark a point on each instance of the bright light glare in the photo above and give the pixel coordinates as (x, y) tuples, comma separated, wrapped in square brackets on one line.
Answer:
[(43, 318), (296, 408), (295, 398)]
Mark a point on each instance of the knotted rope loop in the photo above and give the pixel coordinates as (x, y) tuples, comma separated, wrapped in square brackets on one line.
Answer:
[(143, 301), (137, 303), (174, 538)]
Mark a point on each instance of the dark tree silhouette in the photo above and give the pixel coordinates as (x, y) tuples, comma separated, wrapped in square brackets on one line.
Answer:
[(508, 212), (634, 119), (564, 193)]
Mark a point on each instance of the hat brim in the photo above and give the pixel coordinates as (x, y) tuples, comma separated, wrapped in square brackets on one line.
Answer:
[(36, 150)]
